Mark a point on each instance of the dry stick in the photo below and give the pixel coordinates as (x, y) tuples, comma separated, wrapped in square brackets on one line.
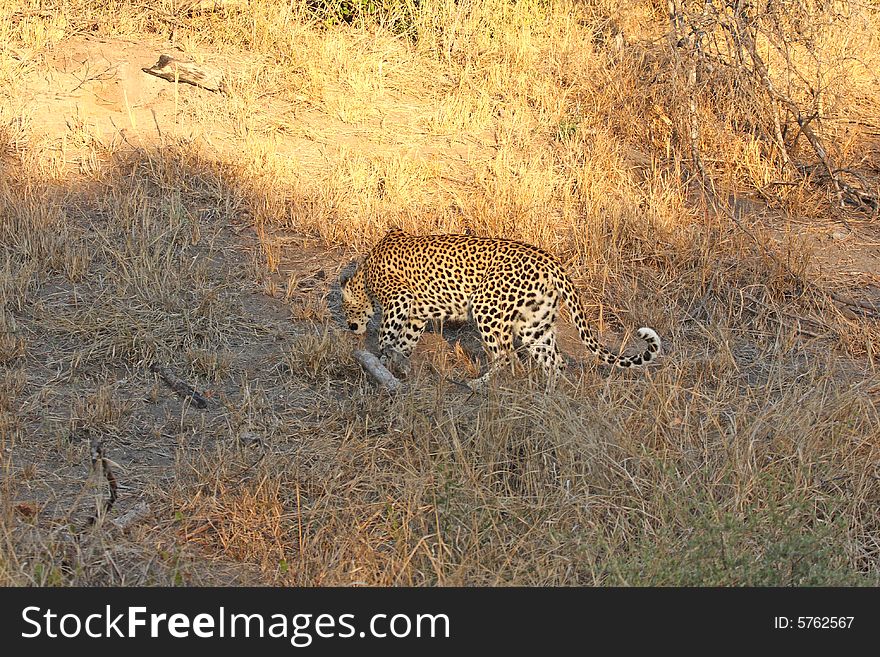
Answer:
[(191, 6), (377, 370), (780, 140), (692, 42), (135, 514), (98, 459), (799, 328), (864, 305), (175, 70), (179, 386)]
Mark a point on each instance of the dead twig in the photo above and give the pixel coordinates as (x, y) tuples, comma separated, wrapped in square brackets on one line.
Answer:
[(179, 386), (102, 465), (871, 308), (688, 44), (789, 316), (137, 513)]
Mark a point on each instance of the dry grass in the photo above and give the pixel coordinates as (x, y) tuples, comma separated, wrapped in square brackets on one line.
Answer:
[(147, 223)]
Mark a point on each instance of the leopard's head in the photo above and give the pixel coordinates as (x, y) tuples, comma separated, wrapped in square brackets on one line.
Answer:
[(356, 304)]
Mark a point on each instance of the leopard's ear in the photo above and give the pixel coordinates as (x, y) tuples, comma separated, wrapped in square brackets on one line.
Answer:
[(345, 278), (346, 293)]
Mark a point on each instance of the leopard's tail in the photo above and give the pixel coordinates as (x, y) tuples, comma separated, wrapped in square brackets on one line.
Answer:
[(578, 315)]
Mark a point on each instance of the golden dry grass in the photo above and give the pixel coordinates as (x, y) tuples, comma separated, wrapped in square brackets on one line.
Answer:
[(140, 221)]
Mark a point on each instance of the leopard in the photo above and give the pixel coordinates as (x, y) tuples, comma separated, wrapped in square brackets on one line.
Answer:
[(511, 290)]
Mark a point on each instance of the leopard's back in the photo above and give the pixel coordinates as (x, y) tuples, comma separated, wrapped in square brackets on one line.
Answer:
[(439, 267)]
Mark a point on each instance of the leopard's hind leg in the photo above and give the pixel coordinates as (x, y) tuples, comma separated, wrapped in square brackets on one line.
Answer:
[(495, 322), (536, 329)]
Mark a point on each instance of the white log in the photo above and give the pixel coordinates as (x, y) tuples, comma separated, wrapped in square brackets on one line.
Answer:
[(135, 514), (176, 70), (377, 370)]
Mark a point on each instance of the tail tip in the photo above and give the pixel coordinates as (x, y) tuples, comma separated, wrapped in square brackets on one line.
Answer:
[(650, 336)]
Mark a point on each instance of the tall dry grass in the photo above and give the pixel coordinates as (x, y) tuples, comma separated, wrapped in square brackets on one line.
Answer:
[(748, 456)]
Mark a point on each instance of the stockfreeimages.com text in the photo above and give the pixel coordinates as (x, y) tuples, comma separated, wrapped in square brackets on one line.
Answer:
[(300, 629)]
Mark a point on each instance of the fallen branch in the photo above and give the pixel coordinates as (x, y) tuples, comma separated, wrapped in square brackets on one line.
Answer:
[(855, 303), (191, 6), (99, 462), (175, 70), (378, 371), (782, 316), (137, 513), (179, 386)]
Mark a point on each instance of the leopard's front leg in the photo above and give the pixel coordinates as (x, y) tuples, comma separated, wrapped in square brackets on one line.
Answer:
[(399, 332)]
